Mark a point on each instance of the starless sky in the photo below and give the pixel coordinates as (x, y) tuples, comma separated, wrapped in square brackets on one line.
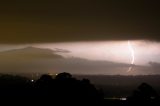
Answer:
[(48, 21)]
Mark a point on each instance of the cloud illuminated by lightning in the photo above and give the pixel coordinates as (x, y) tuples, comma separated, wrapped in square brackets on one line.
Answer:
[(132, 54)]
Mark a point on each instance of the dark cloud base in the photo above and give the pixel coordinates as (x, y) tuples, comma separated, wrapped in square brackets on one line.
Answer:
[(47, 21)]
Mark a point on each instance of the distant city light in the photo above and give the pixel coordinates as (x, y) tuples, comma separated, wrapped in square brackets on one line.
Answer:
[(52, 74), (123, 98), (116, 98)]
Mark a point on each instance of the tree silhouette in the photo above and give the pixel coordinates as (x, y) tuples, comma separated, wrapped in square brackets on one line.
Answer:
[(66, 89), (144, 94), (63, 76)]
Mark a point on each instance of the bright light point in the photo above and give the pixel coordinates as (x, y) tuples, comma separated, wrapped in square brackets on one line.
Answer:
[(32, 80)]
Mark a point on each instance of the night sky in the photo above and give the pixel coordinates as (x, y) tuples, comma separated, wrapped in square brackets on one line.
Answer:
[(48, 21), (106, 37)]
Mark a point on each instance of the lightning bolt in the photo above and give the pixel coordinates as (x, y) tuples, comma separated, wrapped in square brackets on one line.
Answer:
[(132, 55)]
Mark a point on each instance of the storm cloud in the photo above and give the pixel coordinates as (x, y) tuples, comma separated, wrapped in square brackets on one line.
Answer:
[(38, 60), (44, 21)]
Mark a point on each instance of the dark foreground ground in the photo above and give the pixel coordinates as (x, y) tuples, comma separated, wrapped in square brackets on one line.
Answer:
[(67, 90)]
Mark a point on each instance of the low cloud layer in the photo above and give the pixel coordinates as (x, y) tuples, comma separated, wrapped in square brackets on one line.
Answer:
[(36, 60)]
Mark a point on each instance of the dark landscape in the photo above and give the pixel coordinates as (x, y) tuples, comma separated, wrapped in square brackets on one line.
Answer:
[(100, 90)]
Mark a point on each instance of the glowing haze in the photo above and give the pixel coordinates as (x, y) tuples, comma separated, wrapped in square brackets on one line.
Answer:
[(137, 52), (102, 57)]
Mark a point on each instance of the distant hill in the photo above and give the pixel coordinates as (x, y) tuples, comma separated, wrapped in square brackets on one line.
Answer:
[(29, 53), (29, 59)]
